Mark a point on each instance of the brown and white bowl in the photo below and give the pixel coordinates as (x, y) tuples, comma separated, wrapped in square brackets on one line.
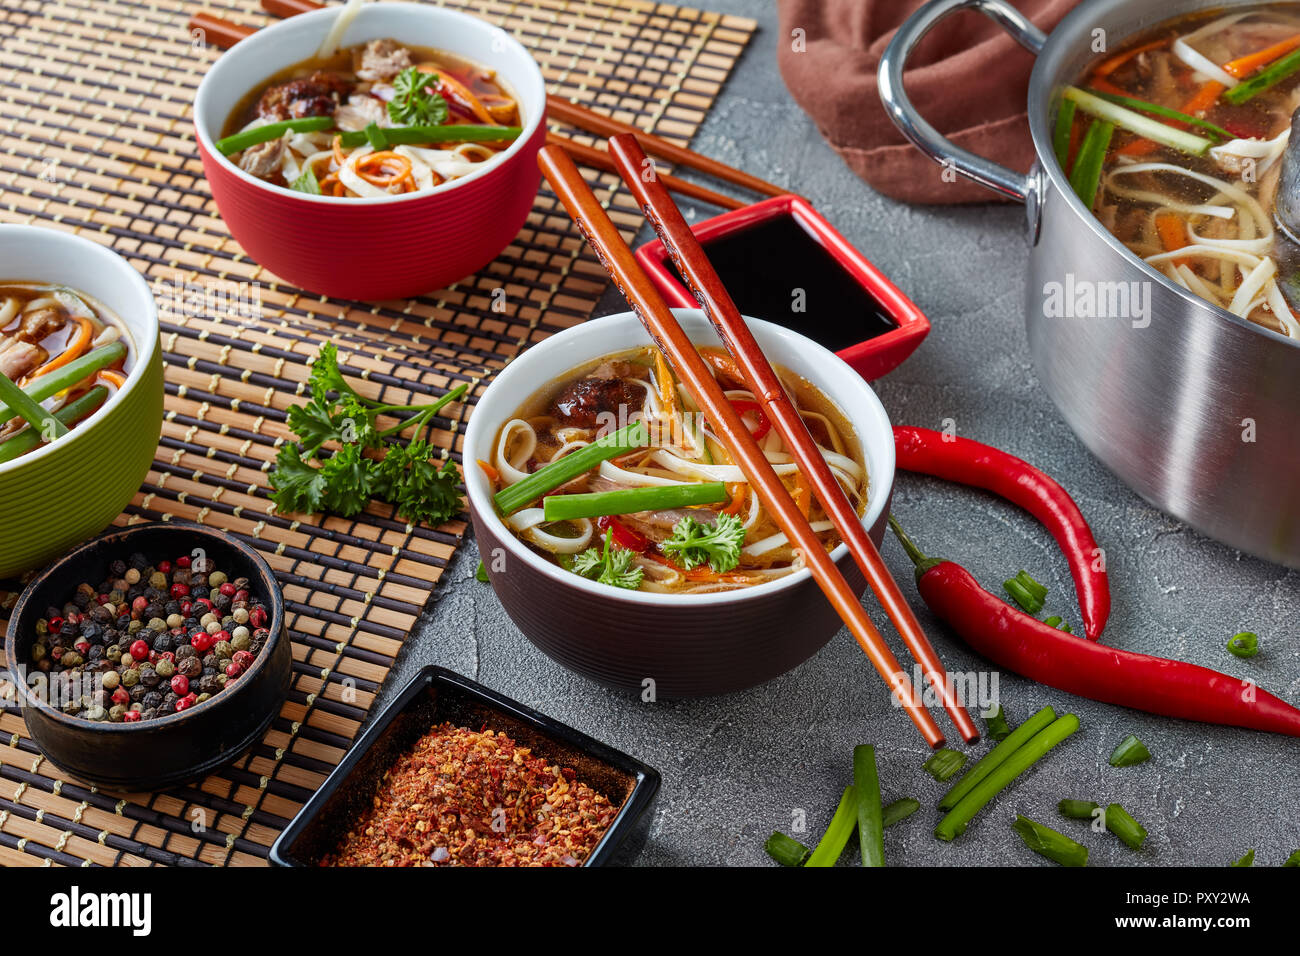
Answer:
[(687, 645)]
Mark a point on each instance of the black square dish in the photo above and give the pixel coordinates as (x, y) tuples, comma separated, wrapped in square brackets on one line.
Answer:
[(435, 695)]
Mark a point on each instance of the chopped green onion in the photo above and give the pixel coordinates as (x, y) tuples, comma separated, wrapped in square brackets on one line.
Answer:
[(1061, 135), (549, 477), (1293, 860), (39, 389), (1245, 644), (27, 439), (1085, 178), (866, 786), (1266, 80), (1129, 752), (1143, 126), (1057, 623), (997, 756), (997, 725), (1165, 111), (306, 183), (786, 850), (631, 500), (1049, 843), (1247, 860), (1078, 809), (1027, 592), (837, 834), (954, 824), (29, 409), (375, 136), (481, 573), (270, 131), (903, 808), (415, 135), (1121, 823), (944, 763)]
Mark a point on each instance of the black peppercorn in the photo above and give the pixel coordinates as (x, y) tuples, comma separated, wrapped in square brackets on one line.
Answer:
[(152, 700), (137, 692), (148, 676), (189, 667), (117, 568), (163, 642), (209, 684)]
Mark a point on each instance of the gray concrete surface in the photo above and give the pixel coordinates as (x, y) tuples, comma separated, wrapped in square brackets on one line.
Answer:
[(736, 768)]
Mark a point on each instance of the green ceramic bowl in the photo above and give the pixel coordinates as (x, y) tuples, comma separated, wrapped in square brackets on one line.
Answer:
[(67, 491)]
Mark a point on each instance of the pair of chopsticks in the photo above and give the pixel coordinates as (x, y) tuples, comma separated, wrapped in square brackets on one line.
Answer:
[(225, 34), (691, 261)]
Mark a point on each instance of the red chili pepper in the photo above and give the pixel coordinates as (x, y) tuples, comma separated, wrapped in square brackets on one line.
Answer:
[(744, 406), (624, 536), (982, 466), (1012, 639)]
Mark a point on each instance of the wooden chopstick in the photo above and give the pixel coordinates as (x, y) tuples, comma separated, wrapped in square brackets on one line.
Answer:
[(226, 33), (693, 265), (599, 159), (557, 166), (580, 116)]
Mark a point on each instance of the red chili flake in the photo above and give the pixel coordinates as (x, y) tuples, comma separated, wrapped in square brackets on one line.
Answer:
[(475, 798)]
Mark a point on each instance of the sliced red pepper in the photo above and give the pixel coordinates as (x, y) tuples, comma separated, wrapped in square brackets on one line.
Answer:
[(624, 536), (744, 406)]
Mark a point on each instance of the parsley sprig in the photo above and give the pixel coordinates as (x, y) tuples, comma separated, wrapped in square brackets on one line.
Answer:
[(694, 542), (612, 566), (343, 481), (412, 103)]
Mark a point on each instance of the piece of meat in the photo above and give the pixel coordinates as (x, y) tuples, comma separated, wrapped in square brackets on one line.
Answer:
[(316, 95), (582, 403), (22, 358), (39, 323), (383, 60), (263, 160), (359, 112)]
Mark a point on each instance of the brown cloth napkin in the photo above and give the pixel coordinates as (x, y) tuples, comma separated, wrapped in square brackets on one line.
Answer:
[(969, 78)]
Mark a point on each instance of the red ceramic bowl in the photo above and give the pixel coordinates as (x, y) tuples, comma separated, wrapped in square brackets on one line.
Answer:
[(872, 357), (388, 248)]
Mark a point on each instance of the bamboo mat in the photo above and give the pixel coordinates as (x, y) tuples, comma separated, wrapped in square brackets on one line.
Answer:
[(97, 139)]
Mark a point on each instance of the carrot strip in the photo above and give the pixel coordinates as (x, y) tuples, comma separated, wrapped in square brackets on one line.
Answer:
[(1107, 67), (114, 377), (459, 91), (493, 475), (337, 147), (722, 363), (737, 503), (667, 387), (802, 493), (74, 349), (382, 159), (1246, 65), (1172, 232)]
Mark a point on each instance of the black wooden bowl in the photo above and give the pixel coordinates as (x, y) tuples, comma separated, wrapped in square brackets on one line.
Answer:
[(436, 695), (166, 751)]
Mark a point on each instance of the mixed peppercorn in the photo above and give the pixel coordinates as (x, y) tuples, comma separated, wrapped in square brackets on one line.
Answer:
[(151, 640)]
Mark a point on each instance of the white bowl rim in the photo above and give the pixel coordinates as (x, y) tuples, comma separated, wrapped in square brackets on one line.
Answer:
[(144, 350), (880, 485), (305, 20)]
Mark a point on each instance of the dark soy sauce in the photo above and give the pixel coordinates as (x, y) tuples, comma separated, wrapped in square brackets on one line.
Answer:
[(764, 265)]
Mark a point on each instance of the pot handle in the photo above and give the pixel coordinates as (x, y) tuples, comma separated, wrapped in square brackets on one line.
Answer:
[(929, 140)]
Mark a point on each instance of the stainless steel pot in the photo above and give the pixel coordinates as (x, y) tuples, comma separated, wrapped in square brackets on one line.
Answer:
[(1194, 408)]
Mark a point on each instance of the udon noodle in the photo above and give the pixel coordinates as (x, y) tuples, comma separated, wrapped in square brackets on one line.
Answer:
[(684, 450)]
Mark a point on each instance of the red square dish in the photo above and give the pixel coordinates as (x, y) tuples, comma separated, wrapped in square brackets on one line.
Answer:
[(780, 251)]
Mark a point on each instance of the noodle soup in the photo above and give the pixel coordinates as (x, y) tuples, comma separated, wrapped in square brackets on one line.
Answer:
[(66, 350), (379, 119), (1177, 143), (725, 539)]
